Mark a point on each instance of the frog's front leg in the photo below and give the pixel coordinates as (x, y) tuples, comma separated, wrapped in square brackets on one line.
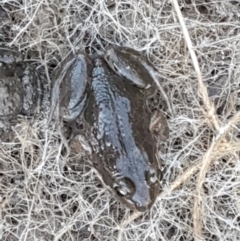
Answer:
[(72, 94)]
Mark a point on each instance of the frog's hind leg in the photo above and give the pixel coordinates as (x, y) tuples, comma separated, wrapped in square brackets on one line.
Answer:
[(76, 81)]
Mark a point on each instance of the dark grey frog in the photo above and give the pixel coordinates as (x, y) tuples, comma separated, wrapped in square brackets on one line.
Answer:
[(20, 88), (107, 108)]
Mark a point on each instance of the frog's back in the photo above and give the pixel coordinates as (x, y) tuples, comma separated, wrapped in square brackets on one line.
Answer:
[(121, 115), (120, 137)]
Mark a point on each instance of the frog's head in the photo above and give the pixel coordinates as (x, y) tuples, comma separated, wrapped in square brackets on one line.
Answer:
[(134, 180), (138, 192)]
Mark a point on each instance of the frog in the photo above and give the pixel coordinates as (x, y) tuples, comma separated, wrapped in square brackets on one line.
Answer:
[(20, 89), (111, 114)]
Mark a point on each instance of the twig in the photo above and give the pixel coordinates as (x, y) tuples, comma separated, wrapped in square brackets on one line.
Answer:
[(209, 106), (133, 216), (206, 161), (204, 165), (210, 109), (29, 22), (226, 148)]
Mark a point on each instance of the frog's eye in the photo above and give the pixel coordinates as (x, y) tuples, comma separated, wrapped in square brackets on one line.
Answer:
[(121, 192), (124, 187)]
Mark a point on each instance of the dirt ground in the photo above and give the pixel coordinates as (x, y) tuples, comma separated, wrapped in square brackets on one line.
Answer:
[(50, 194)]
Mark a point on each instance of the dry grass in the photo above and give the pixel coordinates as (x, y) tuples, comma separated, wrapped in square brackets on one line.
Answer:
[(50, 193)]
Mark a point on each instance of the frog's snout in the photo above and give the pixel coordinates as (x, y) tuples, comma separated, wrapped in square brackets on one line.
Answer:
[(143, 204)]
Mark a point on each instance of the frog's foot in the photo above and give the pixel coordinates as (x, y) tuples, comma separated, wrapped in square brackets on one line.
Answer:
[(159, 127)]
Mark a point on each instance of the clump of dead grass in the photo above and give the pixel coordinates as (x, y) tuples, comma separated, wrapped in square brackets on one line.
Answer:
[(50, 193)]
